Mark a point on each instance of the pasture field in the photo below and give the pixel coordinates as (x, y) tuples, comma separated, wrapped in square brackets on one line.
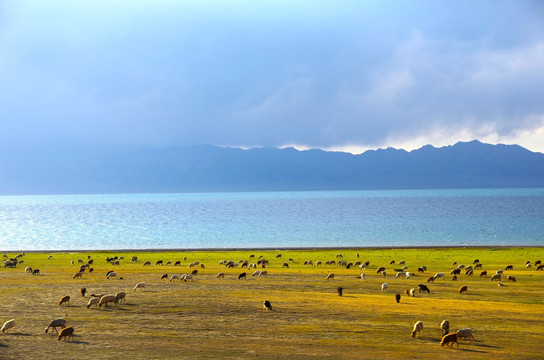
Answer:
[(213, 318)]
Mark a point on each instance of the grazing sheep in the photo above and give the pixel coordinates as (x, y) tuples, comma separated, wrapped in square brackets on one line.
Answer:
[(94, 301), (177, 263), (454, 278), (165, 276), (420, 270), (8, 325), (263, 273), (423, 288), (285, 265), (496, 277), (438, 276), (66, 333), (49, 257), (405, 267), (463, 289), (28, 269), (339, 256), (465, 334), (37, 272), (397, 298), (449, 340), (461, 266), (104, 300), (500, 284), (330, 276), (540, 267), (412, 292), (476, 261), (538, 262), (511, 278), (483, 273), (454, 263), (528, 265), (509, 267), (477, 266), (120, 297), (406, 292), (58, 323), (445, 327), (339, 290), (77, 275), (256, 273), (430, 279), (141, 285), (186, 277), (64, 300), (400, 274), (242, 276), (134, 258), (318, 263), (384, 286), (147, 263), (267, 305), (424, 268), (499, 272), (221, 275), (82, 291), (168, 263), (418, 329), (194, 272), (469, 272), (363, 276), (159, 262), (380, 269), (402, 262), (384, 273), (111, 275), (456, 271), (392, 262), (91, 270)]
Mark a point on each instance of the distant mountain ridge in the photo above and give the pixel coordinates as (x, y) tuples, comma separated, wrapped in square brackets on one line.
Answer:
[(207, 168)]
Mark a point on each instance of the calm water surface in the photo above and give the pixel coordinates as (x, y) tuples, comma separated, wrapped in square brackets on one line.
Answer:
[(273, 219)]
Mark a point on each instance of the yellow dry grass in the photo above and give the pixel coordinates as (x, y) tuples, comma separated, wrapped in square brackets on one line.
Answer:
[(214, 318)]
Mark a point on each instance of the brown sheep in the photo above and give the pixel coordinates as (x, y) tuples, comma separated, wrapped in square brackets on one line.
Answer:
[(120, 297), (397, 298), (267, 305), (82, 291), (454, 278), (380, 269), (449, 340), (339, 290), (540, 267), (477, 266), (483, 273), (423, 288), (330, 276), (64, 300), (463, 289), (66, 333), (431, 279), (242, 276), (511, 278), (164, 276), (496, 277), (77, 275)]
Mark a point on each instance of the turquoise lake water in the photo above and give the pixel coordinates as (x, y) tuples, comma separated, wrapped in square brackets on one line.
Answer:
[(273, 219)]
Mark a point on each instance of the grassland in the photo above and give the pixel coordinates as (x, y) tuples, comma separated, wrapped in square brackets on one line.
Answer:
[(214, 318)]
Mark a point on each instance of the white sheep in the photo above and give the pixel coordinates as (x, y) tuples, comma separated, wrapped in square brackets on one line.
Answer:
[(93, 301), (55, 324), (418, 329), (499, 272), (363, 276), (221, 275), (408, 275), (438, 275), (263, 273), (256, 273), (465, 334), (111, 275), (405, 267), (141, 285), (175, 277), (384, 286), (28, 269), (77, 275), (8, 325), (496, 277), (400, 274), (104, 300), (186, 277), (412, 292)]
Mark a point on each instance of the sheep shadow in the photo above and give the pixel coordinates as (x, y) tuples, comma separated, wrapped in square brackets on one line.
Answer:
[(20, 334)]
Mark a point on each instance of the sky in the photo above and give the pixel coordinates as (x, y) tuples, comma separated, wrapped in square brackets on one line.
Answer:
[(336, 75)]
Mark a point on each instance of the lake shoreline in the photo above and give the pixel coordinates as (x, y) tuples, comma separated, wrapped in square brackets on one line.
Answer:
[(306, 248)]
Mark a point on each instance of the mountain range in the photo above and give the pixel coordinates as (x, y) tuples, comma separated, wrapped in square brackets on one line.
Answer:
[(207, 168)]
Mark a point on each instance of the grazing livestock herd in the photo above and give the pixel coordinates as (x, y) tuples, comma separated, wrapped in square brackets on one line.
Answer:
[(100, 300)]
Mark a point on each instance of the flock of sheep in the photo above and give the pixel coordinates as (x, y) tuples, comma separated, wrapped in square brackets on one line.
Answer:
[(100, 300)]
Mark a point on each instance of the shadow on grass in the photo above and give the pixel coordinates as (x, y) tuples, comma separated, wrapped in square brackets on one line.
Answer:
[(20, 334), (3, 345)]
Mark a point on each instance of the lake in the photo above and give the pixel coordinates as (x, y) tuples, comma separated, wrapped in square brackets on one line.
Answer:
[(273, 219)]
